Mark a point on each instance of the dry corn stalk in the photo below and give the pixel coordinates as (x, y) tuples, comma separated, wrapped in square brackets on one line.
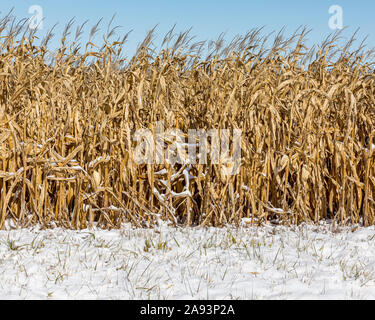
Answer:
[(67, 129)]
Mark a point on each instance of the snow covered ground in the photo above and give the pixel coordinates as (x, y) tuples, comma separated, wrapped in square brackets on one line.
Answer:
[(268, 262)]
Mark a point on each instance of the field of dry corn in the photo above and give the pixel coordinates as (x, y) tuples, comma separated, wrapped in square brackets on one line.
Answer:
[(68, 117)]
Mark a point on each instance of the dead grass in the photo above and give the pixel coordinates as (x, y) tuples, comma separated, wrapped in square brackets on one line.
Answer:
[(67, 128)]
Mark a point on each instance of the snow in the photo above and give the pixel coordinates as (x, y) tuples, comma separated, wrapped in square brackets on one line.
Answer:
[(93, 163), (267, 262)]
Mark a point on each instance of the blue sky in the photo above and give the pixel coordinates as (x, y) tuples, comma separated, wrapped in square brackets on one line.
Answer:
[(207, 17)]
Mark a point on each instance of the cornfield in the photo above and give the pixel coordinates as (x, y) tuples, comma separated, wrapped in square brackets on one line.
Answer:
[(68, 118)]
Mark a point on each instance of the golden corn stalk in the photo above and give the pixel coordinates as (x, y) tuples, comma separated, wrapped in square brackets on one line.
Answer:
[(67, 129)]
